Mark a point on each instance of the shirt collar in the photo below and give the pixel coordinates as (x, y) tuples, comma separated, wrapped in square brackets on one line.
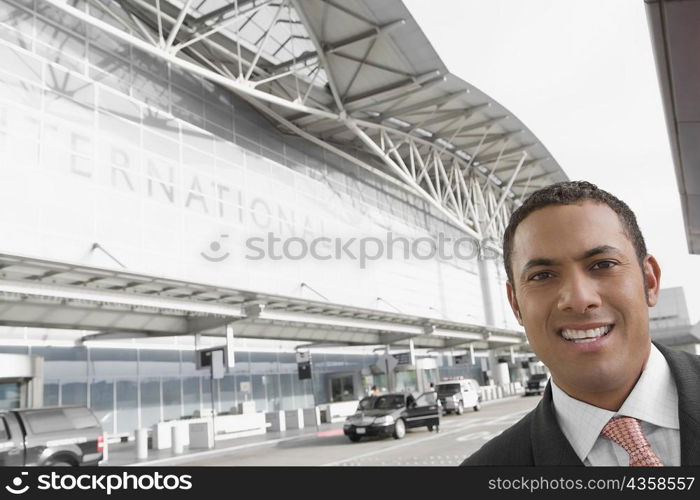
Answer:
[(653, 399)]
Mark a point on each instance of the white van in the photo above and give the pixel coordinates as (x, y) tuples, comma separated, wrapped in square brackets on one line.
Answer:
[(456, 395)]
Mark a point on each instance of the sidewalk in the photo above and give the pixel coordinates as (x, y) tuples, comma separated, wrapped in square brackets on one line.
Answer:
[(122, 454)]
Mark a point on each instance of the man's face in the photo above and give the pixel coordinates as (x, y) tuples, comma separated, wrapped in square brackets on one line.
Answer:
[(579, 292)]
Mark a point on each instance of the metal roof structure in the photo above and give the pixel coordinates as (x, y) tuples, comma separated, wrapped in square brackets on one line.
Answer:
[(676, 42), (114, 304), (357, 77)]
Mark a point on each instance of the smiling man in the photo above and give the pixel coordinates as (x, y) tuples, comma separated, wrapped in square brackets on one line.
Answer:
[(580, 281)]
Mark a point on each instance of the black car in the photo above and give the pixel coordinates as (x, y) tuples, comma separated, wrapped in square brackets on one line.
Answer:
[(391, 414), (536, 384)]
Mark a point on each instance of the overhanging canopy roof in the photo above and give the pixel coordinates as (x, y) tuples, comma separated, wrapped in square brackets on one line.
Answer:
[(357, 77), (110, 304), (676, 41)]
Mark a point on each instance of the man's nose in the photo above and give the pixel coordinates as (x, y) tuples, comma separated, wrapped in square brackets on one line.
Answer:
[(578, 294)]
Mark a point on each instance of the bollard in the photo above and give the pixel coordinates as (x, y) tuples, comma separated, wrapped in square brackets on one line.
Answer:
[(141, 444), (177, 439)]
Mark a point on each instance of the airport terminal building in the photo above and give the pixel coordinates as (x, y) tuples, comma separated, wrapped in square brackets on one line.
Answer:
[(273, 176)]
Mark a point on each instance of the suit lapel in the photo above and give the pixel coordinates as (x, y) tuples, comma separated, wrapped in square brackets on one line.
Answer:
[(549, 445), (686, 372)]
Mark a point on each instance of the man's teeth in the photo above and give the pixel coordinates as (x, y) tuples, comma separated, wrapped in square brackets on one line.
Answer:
[(580, 336)]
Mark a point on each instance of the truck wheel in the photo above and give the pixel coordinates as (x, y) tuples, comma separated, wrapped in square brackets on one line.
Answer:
[(460, 408), (477, 407), (58, 463), (399, 429), (430, 428)]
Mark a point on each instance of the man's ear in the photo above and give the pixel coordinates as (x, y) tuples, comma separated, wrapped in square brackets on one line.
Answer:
[(652, 279), (513, 302)]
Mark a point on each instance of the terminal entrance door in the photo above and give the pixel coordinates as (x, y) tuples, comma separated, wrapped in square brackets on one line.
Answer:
[(342, 388), (10, 394)]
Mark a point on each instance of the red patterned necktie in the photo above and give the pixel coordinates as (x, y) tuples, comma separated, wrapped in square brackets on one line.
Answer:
[(626, 432)]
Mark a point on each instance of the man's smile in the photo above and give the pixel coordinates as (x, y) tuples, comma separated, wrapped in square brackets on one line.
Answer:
[(585, 333)]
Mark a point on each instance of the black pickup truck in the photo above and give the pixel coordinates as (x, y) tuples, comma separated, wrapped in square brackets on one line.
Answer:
[(52, 436)]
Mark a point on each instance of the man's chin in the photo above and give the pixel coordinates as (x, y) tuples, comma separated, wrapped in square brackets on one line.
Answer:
[(578, 386)]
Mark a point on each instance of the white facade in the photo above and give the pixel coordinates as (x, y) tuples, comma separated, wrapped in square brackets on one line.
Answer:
[(160, 168)]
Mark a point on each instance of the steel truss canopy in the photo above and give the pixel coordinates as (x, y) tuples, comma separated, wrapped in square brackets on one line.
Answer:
[(676, 42), (357, 77), (113, 304)]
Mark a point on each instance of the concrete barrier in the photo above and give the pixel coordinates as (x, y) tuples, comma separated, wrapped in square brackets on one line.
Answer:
[(312, 416), (336, 412), (201, 435), (294, 419), (161, 435), (246, 407), (276, 420)]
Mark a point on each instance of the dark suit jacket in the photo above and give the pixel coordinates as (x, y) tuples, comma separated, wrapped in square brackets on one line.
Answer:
[(537, 439)]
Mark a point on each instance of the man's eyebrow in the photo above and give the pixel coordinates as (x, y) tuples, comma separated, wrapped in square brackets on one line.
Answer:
[(543, 261), (598, 250)]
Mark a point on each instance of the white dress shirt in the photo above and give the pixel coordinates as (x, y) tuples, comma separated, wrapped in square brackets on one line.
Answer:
[(653, 401)]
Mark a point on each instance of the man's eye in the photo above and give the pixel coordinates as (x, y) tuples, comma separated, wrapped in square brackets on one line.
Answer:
[(540, 276), (604, 264)]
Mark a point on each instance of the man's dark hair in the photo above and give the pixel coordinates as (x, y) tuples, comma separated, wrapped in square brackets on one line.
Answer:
[(572, 193)]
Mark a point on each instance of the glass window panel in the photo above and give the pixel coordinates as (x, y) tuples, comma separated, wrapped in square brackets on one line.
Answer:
[(73, 393), (18, 91), (187, 364), (171, 399), (150, 402), (302, 392), (157, 363), (127, 409), (119, 105), (273, 392), (220, 115), (51, 392), (206, 393), (63, 362), (260, 392), (150, 90), (111, 71), (153, 65), (227, 393), (9, 395), (287, 401), (243, 381), (14, 349), (102, 403), (16, 24), (190, 389), (113, 362)]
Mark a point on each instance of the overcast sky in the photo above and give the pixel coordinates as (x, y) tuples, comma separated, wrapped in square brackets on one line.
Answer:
[(581, 77)]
